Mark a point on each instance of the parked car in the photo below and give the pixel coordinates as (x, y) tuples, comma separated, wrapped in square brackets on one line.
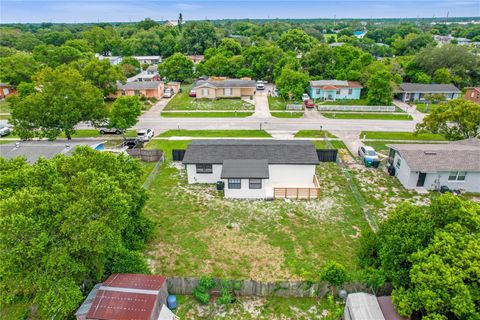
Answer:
[(192, 93), (145, 134), (309, 103), (105, 130), (168, 93), (4, 130), (305, 97), (260, 85), (368, 155)]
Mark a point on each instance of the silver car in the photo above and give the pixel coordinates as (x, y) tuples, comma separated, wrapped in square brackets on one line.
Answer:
[(4, 130)]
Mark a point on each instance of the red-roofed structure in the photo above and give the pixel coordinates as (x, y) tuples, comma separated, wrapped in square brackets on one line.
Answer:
[(126, 297)]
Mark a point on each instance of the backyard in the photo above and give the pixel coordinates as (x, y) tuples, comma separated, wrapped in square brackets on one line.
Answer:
[(181, 101)]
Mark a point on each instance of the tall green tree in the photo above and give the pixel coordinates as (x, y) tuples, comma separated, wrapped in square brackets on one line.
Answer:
[(380, 89), (296, 40), (17, 68), (230, 47), (53, 56), (67, 222), (130, 66), (197, 37), (62, 99), (103, 75), (455, 120), (292, 84), (125, 112), (442, 75), (319, 62), (176, 68)]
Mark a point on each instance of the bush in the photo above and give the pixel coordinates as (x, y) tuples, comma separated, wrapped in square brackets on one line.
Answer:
[(334, 273), (201, 292)]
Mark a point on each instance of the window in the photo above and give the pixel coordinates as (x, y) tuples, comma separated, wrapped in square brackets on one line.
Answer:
[(350, 91), (234, 183), (399, 163), (227, 92), (318, 91), (339, 91), (255, 183), (457, 176), (205, 92), (204, 168)]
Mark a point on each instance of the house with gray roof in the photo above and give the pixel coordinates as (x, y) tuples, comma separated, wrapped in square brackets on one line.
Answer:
[(418, 91), (455, 165), (215, 88), (255, 169)]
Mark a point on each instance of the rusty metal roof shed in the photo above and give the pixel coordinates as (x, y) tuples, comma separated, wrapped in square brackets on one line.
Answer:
[(135, 281)]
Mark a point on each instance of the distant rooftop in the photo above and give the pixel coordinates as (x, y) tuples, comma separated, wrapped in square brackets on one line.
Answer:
[(427, 88)]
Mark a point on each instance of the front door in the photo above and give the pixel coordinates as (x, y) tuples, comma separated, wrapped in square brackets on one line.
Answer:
[(421, 179)]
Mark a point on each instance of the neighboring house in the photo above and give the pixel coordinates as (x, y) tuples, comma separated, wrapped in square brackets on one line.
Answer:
[(334, 89), (149, 89), (431, 166), (255, 169), (147, 75), (196, 58), (365, 306), (473, 94), (224, 88), (417, 91), (126, 296), (148, 59), (115, 60), (6, 90), (336, 44), (33, 150), (171, 23)]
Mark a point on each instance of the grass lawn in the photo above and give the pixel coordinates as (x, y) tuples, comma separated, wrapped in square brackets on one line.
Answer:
[(220, 114), (425, 108), (216, 133), (4, 106), (277, 103), (4, 116), (381, 146), (181, 101), (345, 102), (287, 114), (198, 232), (314, 134), (366, 116), (88, 133), (398, 135), (262, 308)]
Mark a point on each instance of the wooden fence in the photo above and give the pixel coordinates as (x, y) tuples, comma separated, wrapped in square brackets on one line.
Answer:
[(356, 108), (298, 193), (327, 155), (298, 289), (148, 155)]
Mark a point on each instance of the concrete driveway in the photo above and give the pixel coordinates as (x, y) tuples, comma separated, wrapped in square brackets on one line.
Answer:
[(262, 109)]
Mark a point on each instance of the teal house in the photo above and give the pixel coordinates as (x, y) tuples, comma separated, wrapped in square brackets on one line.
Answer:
[(334, 89)]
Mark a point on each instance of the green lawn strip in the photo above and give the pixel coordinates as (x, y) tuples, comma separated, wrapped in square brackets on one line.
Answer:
[(181, 101), (273, 240), (366, 116), (216, 133), (4, 116), (398, 135), (425, 108), (278, 103), (88, 133), (269, 307), (345, 102), (287, 114), (226, 114), (4, 107), (314, 134)]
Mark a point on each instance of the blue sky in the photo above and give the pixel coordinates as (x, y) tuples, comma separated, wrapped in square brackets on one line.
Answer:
[(135, 10)]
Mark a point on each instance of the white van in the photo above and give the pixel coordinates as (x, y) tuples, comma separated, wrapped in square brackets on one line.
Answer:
[(168, 93), (260, 85)]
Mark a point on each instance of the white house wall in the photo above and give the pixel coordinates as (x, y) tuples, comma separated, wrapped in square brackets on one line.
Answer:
[(194, 177), (245, 192), (284, 175)]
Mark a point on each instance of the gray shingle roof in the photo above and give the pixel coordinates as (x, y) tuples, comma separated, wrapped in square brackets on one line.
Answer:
[(245, 169), (456, 156), (140, 85), (228, 83), (427, 88), (32, 150), (274, 151)]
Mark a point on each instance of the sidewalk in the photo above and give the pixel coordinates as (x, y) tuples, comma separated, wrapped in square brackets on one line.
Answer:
[(416, 115)]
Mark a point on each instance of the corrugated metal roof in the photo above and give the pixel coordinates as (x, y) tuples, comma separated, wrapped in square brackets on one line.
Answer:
[(245, 169), (274, 151), (363, 306), (115, 305), (135, 281)]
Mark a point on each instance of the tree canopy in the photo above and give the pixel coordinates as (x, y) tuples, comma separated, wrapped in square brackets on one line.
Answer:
[(65, 224), (176, 68)]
